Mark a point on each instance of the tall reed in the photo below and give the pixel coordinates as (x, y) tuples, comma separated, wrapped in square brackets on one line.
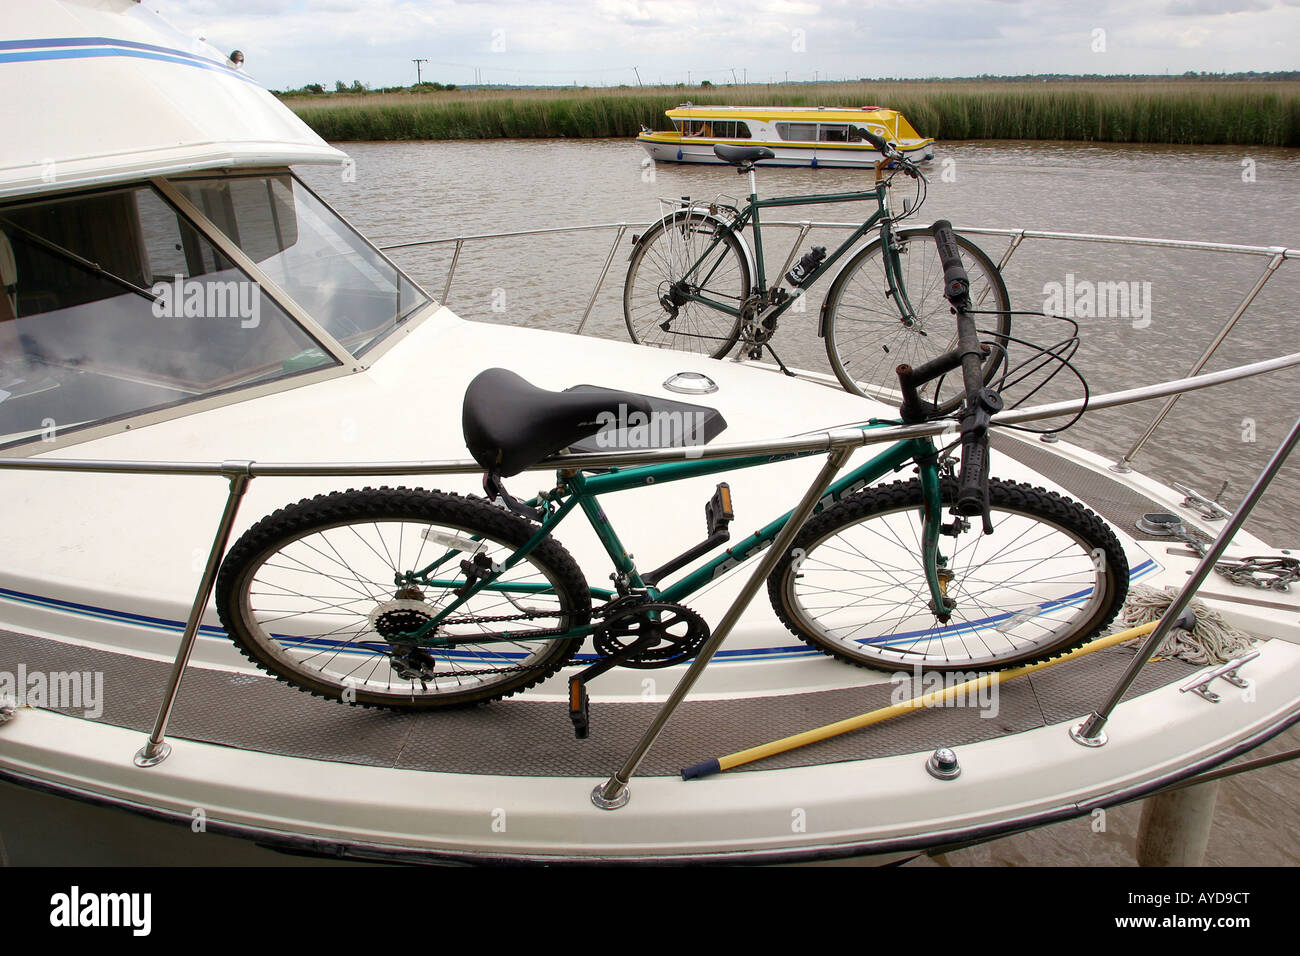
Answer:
[(1186, 111)]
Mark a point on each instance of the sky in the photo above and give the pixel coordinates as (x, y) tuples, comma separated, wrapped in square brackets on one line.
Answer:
[(289, 43)]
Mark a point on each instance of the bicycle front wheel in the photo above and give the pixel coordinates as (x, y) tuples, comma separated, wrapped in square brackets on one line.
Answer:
[(312, 595), (657, 303), (868, 336), (1049, 577)]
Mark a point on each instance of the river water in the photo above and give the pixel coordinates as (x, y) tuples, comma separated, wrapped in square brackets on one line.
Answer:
[(400, 192)]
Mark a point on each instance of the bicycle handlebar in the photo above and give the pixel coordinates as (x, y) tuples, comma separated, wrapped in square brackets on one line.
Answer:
[(889, 151), (879, 142), (981, 402)]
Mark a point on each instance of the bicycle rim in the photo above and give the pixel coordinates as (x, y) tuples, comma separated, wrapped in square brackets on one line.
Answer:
[(867, 339), (661, 258), (1044, 581)]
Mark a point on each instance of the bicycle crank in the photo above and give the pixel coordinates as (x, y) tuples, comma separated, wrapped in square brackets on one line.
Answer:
[(640, 636)]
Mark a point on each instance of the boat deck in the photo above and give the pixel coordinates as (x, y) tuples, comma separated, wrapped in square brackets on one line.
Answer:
[(519, 737)]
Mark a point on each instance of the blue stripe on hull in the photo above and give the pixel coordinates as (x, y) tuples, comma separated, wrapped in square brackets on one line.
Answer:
[(92, 612)]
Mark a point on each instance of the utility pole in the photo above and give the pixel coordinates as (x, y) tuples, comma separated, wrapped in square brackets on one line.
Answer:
[(733, 77), (417, 70), (638, 77)]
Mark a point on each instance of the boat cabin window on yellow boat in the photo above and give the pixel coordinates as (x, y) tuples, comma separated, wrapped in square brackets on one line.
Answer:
[(713, 129), (818, 132)]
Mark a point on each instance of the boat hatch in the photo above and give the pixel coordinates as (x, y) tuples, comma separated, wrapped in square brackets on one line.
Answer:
[(122, 301)]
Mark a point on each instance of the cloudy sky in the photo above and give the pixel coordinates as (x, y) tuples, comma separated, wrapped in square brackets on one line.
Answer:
[(289, 43)]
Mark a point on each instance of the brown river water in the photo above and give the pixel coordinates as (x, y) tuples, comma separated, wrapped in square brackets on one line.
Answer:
[(401, 192)]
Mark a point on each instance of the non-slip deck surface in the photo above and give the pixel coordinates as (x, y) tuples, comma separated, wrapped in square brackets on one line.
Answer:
[(519, 737)]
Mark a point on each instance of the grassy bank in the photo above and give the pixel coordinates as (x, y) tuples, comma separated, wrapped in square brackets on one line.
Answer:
[(1161, 111)]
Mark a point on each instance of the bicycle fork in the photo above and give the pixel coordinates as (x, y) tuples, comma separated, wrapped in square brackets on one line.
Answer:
[(937, 574)]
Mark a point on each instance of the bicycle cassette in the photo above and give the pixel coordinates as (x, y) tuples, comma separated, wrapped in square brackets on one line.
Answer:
[(680, 632)]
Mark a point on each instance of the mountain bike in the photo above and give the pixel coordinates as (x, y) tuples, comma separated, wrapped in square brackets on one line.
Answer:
[(693, 283), (417, 599)]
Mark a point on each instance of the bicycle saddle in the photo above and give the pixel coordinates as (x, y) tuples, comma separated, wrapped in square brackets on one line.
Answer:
[(740, 155), (509, 423)]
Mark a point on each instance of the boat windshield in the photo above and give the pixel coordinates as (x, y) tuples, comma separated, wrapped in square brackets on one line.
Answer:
[(302, 245), (113, 305)]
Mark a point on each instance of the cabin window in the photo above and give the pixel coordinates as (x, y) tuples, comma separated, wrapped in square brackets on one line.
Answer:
[(833, 133), (797, 132), (114, 305), (730, 129), (326, 267)]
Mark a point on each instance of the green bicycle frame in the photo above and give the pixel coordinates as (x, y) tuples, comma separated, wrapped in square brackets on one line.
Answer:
[(578, 490), (881, 217)]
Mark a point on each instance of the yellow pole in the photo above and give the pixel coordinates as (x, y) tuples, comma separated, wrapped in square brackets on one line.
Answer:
[(709, 767)]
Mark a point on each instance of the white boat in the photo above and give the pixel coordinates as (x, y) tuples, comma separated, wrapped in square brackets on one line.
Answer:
[(139, 161), (829, 136)]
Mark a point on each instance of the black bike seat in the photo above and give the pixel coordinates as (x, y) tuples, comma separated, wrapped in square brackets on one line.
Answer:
[(509, 423), (740, 155)]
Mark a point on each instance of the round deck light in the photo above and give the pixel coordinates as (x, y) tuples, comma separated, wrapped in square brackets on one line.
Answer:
[(690, 383)]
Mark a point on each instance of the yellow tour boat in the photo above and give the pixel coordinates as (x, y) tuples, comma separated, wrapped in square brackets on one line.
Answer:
[(800, 136)]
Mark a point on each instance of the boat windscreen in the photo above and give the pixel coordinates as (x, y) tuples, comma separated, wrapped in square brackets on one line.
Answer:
[(327, 267), (114, 305)]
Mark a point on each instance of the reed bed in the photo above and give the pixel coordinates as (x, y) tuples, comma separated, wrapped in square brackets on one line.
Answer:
[(1263, 113)]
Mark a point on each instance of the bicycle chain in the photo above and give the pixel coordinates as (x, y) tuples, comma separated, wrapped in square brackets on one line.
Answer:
[(526, 615)]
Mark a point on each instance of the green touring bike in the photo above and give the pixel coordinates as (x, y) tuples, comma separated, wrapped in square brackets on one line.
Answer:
[(417, 599), (693, 283)]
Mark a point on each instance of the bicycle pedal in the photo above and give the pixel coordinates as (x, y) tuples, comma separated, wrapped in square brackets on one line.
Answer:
[(717, 511), (579, 708)]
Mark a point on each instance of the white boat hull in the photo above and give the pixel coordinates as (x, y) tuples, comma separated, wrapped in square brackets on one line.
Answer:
[(811, 155)]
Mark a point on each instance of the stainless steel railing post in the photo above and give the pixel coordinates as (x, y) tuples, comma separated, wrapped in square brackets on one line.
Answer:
[(622, 228), (1089, 733), (156, 750), (451, 270), (614, 793), (1279, 254), (1016, 240)]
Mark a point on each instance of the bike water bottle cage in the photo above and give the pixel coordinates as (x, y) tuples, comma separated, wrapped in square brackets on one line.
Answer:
[(510, 424)]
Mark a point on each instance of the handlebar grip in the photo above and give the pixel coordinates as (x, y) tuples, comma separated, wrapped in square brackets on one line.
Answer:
[(973, 484), (956, 284), (881, 144)]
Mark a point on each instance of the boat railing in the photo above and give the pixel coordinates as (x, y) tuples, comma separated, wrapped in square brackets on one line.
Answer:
[(838, 444), (1274, 256)]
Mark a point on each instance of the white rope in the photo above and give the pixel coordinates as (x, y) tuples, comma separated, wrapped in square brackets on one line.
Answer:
[(1212, 641), (7, 707)]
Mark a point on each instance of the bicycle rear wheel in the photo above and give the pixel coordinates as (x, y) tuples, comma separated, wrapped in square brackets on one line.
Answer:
[(867, 337), (655, 306), (311, 595), (1050, 576)]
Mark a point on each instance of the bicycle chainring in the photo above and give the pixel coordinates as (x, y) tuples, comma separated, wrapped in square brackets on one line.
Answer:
[(753, 332), (680, 632)]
